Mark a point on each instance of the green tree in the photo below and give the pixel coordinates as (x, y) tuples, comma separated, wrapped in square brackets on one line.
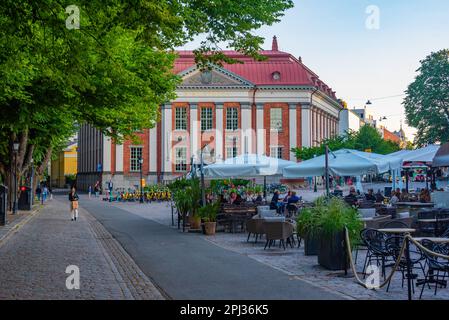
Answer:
[(366, 138), (114, 72), (427, 100)]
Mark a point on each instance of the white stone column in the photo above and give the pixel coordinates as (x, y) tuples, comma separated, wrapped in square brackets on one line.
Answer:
[(260, 129), (305, 125), (167, 138), (107, 153), (194, 127), (292, 129), (119, 157), (153, 150), (219, 133), (246, 128)]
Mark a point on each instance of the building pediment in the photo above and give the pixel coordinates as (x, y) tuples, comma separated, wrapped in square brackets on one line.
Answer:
[(216, 77)]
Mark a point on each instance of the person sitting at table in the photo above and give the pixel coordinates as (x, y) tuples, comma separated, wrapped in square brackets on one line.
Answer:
[(370, 195), (405, 196), (424, 196), (238, 200), (258, 198), (351, 198), (293, 198), (232, 197), (379, 196), (398, 193), (274, 201), (394, 198)]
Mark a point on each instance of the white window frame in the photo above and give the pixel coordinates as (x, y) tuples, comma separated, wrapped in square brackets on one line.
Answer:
[(181, 160), (231, 152), (181, 118), (135, 154), (276, 121), (232, 118), (276, 151), (207, 119)]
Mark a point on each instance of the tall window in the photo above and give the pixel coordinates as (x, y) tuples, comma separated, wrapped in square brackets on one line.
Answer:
[(232, 119), (136, 154), (276, 119), (180, 159), (231, 152), (276, 152), (180, 118), (206, 119)]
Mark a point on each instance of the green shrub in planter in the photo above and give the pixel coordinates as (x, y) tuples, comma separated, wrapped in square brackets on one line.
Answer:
[(307, 226), (326, 221)]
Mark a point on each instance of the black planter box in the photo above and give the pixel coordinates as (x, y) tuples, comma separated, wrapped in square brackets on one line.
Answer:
[(311, 245), (332, 252)]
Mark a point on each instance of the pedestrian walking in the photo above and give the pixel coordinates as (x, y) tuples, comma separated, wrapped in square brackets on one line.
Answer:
[(73, 198), (38, 192), (90, 191), (44, 194)]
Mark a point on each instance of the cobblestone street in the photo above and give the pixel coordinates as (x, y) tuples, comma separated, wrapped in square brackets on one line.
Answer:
[(33, 261)]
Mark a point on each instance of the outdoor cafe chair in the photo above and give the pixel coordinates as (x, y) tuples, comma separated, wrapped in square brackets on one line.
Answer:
[(442, 224), (278, 230), (374, 241), (393, 245), (437, 268), (255, 227), (426, 228), (393, 224)]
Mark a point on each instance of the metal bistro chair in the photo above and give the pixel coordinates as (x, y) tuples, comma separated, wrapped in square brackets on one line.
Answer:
[(442, 224), (374, 241), (425, 228), (393, 245), (394, 224), (437, 268)]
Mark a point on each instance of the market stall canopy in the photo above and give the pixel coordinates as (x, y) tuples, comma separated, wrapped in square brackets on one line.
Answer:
[(441, 158), (417, 157), (248, 165), (344, 162)]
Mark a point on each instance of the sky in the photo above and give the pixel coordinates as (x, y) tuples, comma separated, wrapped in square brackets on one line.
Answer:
[(362, 63)]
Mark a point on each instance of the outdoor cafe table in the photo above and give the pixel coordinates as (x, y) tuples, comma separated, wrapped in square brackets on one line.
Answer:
[(397, 230), (415, 204), (433, 239)]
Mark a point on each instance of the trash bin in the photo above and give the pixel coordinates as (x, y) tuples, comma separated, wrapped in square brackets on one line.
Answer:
[(3, 204), (24, 199)]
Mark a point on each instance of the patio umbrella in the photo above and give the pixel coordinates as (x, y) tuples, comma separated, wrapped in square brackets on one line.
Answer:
[(422, 155), (248, 165), (441, 158), (344, 162)]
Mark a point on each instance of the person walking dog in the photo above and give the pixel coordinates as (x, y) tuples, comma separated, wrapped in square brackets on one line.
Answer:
[(73, 197)]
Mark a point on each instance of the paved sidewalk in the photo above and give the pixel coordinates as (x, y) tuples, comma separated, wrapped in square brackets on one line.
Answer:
[(34, 259), (16, 221)]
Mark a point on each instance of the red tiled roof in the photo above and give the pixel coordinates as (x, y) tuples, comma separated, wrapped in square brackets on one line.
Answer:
[(292, 71)]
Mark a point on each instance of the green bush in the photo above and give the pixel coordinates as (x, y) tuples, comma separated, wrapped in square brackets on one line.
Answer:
[(209, 212)]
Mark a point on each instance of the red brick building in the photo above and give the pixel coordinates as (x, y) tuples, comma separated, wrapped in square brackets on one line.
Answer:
[(264, 107)]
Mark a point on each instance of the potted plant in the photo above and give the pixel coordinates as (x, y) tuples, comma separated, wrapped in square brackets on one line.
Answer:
[(307, 226), (332, 221), (182, 202), (209, 215), (193, 191)]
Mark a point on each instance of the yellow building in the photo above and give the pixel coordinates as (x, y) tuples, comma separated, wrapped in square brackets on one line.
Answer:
[(64, 164)]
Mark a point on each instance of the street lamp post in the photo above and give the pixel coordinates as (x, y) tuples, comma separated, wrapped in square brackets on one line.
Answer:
[(141, 179), (15, 149)]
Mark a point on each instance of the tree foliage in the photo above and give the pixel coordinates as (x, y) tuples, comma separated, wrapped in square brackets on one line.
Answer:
[(366, 138), (427, 100), (114, 72)]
